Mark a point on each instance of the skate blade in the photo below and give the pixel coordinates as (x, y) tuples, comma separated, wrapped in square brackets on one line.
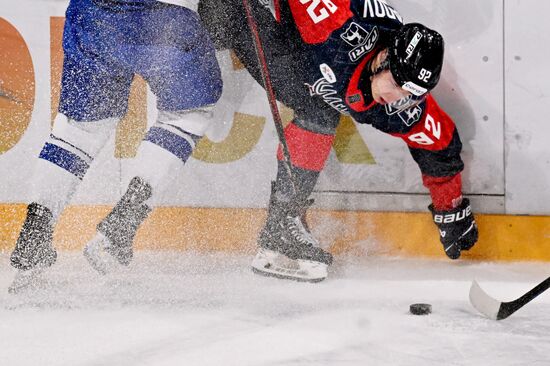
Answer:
[(272, 264), (97, 256), (25, 279)]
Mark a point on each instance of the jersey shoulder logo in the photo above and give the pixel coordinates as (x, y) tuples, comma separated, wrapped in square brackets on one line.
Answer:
[(407, 109), (400, 105), (360, 39), (411, 116)]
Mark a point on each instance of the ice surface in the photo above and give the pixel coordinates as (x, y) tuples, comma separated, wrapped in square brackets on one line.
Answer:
[(181, 308)]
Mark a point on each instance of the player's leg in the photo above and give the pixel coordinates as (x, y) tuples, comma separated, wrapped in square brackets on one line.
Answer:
[(167, 145), (287, 248), (183, 73), (60, 167), (93, 97)]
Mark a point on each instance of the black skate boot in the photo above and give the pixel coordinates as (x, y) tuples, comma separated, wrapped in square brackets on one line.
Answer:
[(116, 232), (34, 249), (287, 247), (34, 245)]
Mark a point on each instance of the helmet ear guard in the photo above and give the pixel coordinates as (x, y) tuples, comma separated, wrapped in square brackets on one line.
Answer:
[(415, 55)]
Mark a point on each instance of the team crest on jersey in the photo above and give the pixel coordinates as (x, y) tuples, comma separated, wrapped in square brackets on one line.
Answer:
[(411, 115), (325, 90), (360, 39), (401, 104), (407, 109)]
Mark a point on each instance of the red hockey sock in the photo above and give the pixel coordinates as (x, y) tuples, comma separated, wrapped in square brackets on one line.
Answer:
[(446, 192), (308, 150)]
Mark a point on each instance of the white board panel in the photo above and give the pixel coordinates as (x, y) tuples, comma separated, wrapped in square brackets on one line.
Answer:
[(527, 102)]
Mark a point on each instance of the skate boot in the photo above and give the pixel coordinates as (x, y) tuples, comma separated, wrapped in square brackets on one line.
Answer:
[(287, 247), (34, 249), (112, 244)]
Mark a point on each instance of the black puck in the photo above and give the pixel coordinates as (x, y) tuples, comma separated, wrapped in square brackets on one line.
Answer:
[(420, 309)]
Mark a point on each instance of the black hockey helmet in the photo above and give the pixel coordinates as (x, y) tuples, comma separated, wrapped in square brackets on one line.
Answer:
[(415, 55)]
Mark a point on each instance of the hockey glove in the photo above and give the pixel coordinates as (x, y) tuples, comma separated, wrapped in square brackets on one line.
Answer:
[(457, 228)]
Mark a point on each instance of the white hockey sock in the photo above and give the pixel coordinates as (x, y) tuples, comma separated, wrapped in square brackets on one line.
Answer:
[(65, 159), (53, 187), (169, 143)]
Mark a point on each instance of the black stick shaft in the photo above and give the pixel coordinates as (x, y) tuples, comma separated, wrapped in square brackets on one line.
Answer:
[(508, 308), (536, 291), (269, 90)]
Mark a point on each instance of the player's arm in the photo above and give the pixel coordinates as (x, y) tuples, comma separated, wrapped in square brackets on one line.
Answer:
[(435, 145)]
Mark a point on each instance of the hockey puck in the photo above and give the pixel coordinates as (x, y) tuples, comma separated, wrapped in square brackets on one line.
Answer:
[(420, 309)]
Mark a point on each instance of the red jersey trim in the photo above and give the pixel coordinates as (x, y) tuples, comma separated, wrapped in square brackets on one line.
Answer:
[(354, 96), (277, 7)]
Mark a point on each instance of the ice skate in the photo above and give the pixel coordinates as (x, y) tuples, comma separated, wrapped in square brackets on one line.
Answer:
[(34, 249), (98, 256), (112, 244), (271, 263), (287, 248)]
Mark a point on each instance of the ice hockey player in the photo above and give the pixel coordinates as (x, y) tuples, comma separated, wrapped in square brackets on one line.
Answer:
[(106, 43), (353, 57)]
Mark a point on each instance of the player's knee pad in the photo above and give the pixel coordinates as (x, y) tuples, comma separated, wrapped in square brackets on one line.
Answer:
[(73, 145)]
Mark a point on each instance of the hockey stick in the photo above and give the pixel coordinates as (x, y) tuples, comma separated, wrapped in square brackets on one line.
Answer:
[(269, 91), (498, 310)]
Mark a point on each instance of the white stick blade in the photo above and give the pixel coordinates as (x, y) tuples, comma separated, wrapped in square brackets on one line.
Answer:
[(484, 303)]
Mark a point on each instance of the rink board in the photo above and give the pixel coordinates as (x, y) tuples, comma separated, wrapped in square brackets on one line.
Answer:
[(359, 233), (491, 86)]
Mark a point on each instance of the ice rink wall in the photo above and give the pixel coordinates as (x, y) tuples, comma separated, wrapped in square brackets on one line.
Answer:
[(369, 199)]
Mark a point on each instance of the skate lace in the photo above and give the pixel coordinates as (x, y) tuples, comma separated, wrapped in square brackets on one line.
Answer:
[(299, 232)]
